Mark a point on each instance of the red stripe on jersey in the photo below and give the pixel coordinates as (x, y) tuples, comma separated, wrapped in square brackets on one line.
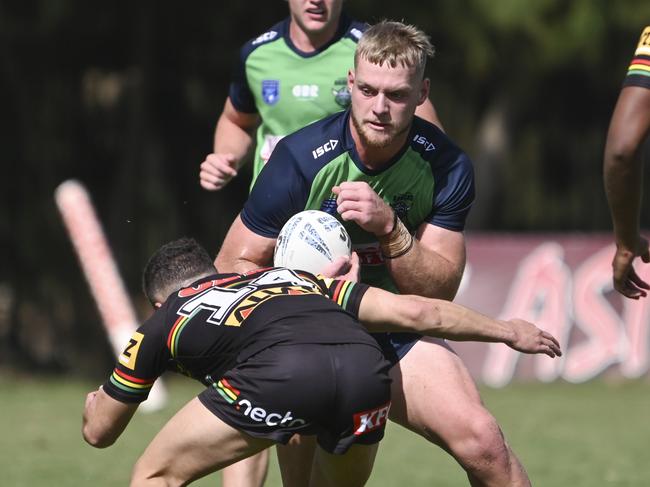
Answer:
[(337, 290), (171, 332), (134, 379)]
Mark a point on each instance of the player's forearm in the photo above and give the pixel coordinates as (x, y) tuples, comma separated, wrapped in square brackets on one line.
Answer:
[(104, 419), (443, 319), (623, 175), (230, 138), (383, 311), (425, 273)]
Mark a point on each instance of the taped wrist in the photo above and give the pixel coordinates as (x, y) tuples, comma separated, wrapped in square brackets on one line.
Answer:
[(397, 242)]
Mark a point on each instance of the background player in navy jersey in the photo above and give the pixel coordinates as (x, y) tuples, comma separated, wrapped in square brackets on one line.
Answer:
[(288, 77), (263, 344), (623, 171), (403, 190)]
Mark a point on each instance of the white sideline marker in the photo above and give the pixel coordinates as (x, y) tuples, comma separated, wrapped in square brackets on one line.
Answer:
[(98, 265)]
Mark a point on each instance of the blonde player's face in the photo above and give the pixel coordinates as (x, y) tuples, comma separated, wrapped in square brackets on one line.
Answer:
[(316, 15), (384, 100)]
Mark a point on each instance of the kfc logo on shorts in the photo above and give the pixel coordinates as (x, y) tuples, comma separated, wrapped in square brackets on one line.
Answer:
[(367, 421)]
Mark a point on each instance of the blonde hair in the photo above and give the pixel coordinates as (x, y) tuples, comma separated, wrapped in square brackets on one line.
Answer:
[(395, 44)]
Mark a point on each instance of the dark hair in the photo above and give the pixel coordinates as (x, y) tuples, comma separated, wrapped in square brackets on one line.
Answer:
[(174, 265)]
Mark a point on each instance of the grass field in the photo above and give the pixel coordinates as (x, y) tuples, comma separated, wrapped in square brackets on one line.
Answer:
[(596, 434)]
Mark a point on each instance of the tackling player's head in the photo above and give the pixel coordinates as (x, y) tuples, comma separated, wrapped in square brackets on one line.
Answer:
[(395, 44), (175, 265)]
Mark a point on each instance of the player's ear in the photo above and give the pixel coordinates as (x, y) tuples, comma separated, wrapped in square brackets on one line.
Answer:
[(424, 91), (350, 79)]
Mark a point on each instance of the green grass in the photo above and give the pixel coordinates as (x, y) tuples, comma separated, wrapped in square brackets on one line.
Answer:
[(596, 434)]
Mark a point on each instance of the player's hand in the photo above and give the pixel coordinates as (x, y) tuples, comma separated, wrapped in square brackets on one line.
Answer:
[(90, 397), (217, 170), (626, 280), (530, 339), (359, 203), (344, 268)]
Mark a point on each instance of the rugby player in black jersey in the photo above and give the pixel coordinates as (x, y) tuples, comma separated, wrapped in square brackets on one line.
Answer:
[(280, 352)]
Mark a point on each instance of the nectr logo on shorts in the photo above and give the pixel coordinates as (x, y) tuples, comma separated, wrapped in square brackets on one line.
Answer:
[(367, 421), (326, 147), (257, 414), (260, 415)]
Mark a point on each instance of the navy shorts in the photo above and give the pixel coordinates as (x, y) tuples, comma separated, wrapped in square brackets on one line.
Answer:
[(396, 345), (339, 392)]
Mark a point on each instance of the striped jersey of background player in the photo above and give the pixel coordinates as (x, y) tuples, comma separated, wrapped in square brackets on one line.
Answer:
[(285, 79), (623, 171)]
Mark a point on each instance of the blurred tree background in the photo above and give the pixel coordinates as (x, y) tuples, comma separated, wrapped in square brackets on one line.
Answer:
[(124, 96)]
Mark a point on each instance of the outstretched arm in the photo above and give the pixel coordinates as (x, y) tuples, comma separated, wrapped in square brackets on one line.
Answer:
[(105, 418), (623, 177), (384, 311)]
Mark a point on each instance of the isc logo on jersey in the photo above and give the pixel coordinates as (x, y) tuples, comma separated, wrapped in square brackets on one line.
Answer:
[(422, 140), (267, 36), (326, 147)]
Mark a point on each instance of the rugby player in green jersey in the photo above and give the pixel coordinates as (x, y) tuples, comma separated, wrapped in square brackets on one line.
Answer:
[(403, 190), (279, 352), (623, 171), (290, 76), (287, 77)]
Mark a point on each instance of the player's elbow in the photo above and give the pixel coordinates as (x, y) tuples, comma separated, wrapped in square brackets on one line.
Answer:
[(620, 151), (422, 316), (97, 437)]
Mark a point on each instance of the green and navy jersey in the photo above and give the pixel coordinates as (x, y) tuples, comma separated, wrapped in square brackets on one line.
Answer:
[(205, 329), (289, 88), (638, 74), (429, 181)]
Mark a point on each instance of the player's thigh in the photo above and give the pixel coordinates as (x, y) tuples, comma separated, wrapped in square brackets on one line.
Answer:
[(193, 443), (349, 470), (433, 393)]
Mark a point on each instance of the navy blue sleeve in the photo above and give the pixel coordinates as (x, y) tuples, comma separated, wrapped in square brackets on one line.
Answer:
[(240, 93), (454, 191), (280, 191)]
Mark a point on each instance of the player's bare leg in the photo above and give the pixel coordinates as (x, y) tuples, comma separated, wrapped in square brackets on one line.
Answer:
[(434, 396), (349, 470), (193, 443), (250, 472), (295, 460)]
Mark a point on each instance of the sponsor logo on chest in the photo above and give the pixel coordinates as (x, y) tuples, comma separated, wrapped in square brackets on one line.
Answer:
[(326, 147), (305, 92), (422, 140)]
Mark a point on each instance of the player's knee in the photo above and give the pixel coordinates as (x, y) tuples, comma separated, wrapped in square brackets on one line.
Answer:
[(145, 474), (482, 442)]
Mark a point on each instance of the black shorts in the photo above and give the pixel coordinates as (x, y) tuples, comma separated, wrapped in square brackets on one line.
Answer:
[(340, 392)]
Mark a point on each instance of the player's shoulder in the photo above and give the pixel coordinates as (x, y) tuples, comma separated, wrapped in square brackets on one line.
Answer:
[(431, 142), (353, 29), (638, 73), (318, 142), (274, 34)]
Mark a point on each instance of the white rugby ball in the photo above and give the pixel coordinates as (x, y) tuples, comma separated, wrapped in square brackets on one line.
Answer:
[(310, 240)]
